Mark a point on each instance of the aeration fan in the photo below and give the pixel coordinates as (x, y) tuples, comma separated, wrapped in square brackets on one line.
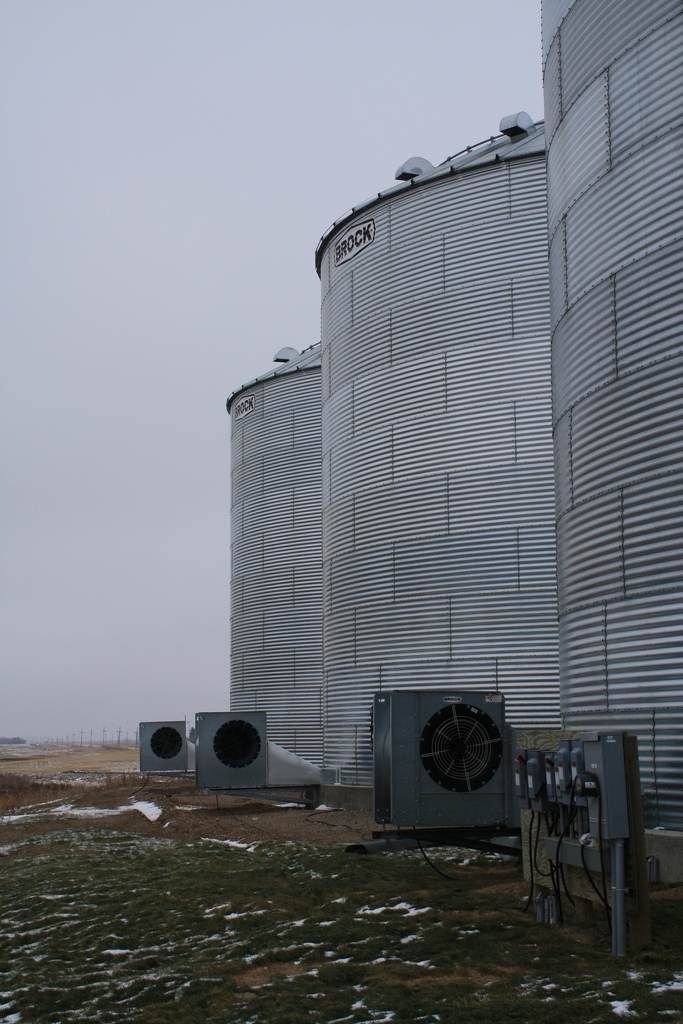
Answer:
[(234, 753), (165, 748), (440, 758)]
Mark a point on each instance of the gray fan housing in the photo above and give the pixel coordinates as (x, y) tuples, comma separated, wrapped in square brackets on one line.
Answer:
[(441, 758), (234, 753), (164, 747)]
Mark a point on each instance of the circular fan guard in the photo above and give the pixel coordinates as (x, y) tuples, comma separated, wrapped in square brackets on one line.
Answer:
[(166, 742), (461, 747), (237, 743)]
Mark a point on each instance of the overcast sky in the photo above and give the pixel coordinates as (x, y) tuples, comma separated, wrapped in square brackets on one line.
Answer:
[(168, 168)]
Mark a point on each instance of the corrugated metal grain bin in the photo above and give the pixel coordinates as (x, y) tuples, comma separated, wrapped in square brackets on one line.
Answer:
[(613, 78), (276, 580), (438, 521)]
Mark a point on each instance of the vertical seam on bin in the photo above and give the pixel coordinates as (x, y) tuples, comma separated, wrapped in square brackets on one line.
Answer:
[(623, 544), (609, 119), (354, 638), (614, 326), (604, 647), (514, 429), (571, 457), (654, 764), (559, 76), (512, 309), (519, 568), (450, 628)]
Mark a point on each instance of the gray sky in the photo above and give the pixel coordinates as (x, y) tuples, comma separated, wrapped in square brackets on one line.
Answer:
[(168, 168)]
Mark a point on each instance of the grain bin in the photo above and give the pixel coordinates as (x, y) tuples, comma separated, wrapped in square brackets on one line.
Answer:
[(613, 80), (438, 522), (276, 578)]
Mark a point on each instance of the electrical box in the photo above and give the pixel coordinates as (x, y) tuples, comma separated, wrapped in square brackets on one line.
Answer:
[(608, 805)]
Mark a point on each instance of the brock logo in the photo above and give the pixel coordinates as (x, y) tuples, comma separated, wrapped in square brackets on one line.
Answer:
[(359, 237)]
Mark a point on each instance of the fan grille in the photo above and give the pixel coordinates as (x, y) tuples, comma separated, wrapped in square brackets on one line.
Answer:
[(237, 743), (461, 747), (166, 742)]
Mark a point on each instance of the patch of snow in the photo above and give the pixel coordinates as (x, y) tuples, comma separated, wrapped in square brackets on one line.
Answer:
[(670, 986), (622, 1008), (417, 910), (151, 811), (249, 847), (326, 924), (409, 938), (219, 906), (117, 952)]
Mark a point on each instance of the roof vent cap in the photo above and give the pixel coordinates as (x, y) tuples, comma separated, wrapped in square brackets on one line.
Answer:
[(285, 355), (518, 124), (412, 168)]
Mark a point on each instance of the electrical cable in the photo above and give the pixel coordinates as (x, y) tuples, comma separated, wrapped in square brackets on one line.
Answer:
[(432, 865), (530, 897), (571, 814), (602, 896)]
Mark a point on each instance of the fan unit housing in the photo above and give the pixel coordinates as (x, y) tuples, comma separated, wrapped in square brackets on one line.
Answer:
[(234, 753), (441, 758), (165, 748)]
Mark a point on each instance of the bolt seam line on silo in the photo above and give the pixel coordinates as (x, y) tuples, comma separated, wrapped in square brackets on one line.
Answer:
[(654, 763), (571, 457), (443, 260), (623, 546), (519, 568), (609, 118), (512, 309), (514, 429), (614, 324), (604, 640), (450, 628), (448, 503)]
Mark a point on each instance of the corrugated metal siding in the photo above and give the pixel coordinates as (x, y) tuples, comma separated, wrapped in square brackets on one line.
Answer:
[(276, 580), (618, 377), (581, 151), (439, 546), (596, 32), (660, 747)]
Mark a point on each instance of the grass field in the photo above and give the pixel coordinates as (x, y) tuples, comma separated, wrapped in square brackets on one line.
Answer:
[(101, 923)]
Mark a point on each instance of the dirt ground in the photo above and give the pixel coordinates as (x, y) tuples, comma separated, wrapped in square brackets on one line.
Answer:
[(51, 760), (108, 778)]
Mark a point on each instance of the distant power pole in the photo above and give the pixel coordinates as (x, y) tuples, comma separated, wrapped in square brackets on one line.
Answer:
[(136, 739), (103, 734), (119, 740), (81, 737), (91, 737)]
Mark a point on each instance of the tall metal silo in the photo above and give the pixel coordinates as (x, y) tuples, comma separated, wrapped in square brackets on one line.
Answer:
[(438, 520), (613, 78), (276, 579)]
